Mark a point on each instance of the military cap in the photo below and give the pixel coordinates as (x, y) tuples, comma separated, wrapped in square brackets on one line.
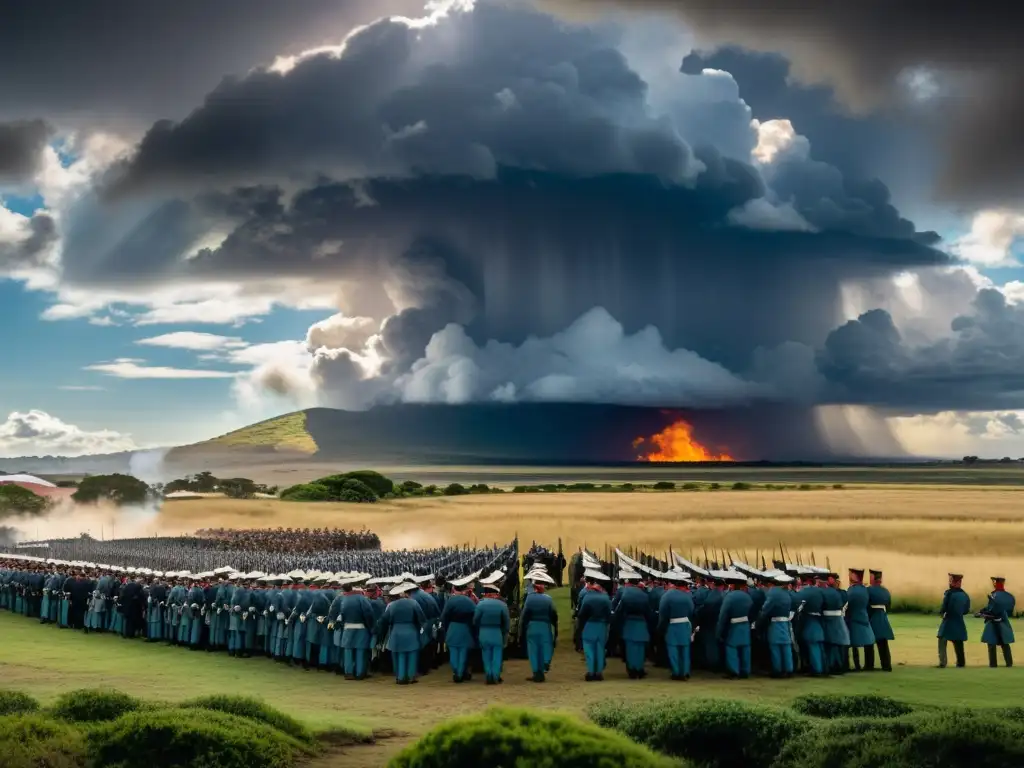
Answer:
[(401, 589), (876, 574), (596, 575), (423, 579), (463, 581), (956, 576), (542, 577), (998, 579), (491, 588)]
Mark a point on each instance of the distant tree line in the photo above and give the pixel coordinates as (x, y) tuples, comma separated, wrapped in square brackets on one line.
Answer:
[(206, 482)]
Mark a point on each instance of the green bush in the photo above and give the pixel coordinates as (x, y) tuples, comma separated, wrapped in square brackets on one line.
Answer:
[(410, 485), (90, 705), (456, 489), (175, 738), (831, 705), (710, 733), (252, 708), (16, 703), (953, 739), (37, 741), (21, 501), (348, 484), (377, 482), (741, 486), (691, 486), (306, 492), (664, 485), (510, 737)]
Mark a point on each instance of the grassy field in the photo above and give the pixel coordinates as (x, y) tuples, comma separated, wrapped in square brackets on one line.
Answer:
[(915, 534), (45, 661)]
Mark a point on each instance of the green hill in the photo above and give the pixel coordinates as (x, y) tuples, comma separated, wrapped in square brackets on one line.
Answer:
[(281, 434)]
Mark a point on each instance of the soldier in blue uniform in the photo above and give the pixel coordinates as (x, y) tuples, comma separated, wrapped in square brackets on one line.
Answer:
[(675, 622), (837, 636), (879, 602), (155, 599), (402, 623), (955, 605), (708, 603), (538, 624), (774, 619), (316, 619), (492, 623), (733, 629), (812, 632), (633, 618), (457, 623), (858, 622), (998, 633), (593, 620), (356, 619), (424, 596)]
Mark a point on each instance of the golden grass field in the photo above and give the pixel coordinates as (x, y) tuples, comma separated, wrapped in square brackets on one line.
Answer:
[(915, 534)]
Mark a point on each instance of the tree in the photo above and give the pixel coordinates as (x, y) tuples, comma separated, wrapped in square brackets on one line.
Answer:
[(117, 488), (970, 460), (238, 488), (15, 500), (455, 489)]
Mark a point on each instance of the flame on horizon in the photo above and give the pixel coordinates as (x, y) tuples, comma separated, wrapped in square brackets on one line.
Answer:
[(676, 443)]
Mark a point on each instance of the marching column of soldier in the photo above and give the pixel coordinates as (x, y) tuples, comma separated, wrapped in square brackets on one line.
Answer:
[(736, 620)]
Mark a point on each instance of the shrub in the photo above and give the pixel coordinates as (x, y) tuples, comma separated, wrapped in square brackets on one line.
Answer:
[(16, 703), (509, 737), (715, 486), (377, 482), (90, 705), (36, 741), (837, 486), (741, 486), (664, 485), (411, 485), (956, 739), (831, 705), (356, 483), (307, 492), (171, 738), (17, 500), (804, 487), (252, 708), (480, 488), (691, 486), (715, 734), (519, 489), (456, 489), (117, 488)]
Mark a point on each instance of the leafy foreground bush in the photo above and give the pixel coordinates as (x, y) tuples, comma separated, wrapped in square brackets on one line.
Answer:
[(37, 741), (508, 738), (16, 703), (252, 708), (831, 705), (90, 705), (710, 733), (958, 739), (180, 738)]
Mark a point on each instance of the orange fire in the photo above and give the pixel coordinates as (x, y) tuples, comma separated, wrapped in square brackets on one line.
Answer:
[(676, 443)]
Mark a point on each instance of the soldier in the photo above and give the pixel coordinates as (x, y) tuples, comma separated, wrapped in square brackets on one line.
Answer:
[(858, 622), (538, 625), (428, 603), (812, 632), (837, 636), (492, 623), (633, 617), (154, 609), (457, 622), (708, 604), (316, 619), (879, 602), (357, 619), (998, 632), (955, 605), (402, 623), (592, 622), (675, 626), (774, 620), (733, 629)]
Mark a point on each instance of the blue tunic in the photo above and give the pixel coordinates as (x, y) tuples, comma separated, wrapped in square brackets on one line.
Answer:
[(675, 617), (539, 616), (998, 630), (879, 602), (773, 618), (833, 623), (857, 620), (811, 626), (403, 621), (734, 619), (457, 620), (492, 622), (955, 605), (357, 620), (633, 611)]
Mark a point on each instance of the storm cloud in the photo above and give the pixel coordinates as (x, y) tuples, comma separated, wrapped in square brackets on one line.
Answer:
[(21, 149), (503, 206), (878, 53)]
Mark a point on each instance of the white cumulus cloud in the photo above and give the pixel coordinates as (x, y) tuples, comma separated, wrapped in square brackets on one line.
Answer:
[(193, 340), (37, 433), (131, 368), (991, 239)]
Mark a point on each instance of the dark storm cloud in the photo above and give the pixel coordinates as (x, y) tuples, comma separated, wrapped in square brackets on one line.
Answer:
[(504, 172), (515, 89), (863, 49), (124, 62), (21, 149), (980, 366)]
